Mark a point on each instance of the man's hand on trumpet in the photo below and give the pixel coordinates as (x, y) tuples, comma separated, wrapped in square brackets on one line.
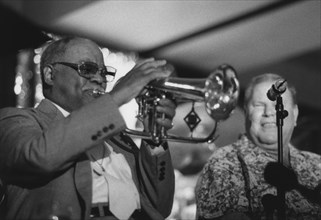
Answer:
[(165, 107), (129, 86), (162, 116)]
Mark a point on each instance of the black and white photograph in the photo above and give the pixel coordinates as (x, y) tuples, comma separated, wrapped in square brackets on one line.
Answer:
[(160, 110)]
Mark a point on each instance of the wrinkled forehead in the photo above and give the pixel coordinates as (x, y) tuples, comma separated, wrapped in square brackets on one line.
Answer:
[(262, 86), (260, 89), (83, 50)]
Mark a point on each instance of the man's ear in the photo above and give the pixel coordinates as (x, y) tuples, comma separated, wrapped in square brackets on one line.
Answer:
[(48, 75)]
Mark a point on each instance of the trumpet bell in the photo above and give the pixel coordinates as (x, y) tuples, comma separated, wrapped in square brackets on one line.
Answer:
[(219, 91)]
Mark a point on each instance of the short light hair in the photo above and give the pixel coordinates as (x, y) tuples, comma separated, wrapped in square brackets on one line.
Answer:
[(267, 77)]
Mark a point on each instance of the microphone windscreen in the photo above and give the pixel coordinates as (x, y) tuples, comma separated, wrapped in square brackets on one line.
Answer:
[(280, 176), (277, 88)]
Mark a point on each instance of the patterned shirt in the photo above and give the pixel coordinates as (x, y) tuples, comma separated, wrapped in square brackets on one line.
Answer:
[(222, 187)]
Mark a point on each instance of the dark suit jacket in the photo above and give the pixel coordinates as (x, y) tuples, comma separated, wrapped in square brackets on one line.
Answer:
[(43, 161)]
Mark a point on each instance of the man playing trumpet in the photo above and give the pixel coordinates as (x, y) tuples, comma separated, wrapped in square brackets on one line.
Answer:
[(68, 158)]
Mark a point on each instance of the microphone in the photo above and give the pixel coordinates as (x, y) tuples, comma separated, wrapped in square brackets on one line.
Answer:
[(276, 89), (284, 178)]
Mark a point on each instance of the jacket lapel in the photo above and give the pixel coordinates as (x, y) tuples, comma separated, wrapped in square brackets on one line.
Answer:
[(83, 183)]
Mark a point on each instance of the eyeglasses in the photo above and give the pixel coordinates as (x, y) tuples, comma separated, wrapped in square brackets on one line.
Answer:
[(89, 70)]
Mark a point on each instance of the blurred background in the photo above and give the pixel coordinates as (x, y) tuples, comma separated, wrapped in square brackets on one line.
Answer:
[(254, 37)]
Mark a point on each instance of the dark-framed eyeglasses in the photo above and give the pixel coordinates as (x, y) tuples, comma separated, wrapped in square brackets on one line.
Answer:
[(89, 70)]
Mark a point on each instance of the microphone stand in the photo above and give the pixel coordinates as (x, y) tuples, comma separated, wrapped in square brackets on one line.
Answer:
[(270, 202), (280, 115)]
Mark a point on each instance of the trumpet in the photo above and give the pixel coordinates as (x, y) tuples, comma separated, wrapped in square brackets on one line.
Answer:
[(219, 92)]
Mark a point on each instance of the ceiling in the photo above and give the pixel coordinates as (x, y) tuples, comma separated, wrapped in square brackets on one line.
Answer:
[(196, 36)]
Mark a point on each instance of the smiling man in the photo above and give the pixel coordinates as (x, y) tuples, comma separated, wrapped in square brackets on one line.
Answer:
[(232, 182), (68, 157)]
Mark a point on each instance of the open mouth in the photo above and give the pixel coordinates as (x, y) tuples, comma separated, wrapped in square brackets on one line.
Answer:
[(269, 124), (95, 92)]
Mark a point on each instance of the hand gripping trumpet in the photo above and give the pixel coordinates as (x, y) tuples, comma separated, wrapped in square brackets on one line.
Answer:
[(219, 92)]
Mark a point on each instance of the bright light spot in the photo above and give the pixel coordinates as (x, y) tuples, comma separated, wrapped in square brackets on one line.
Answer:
[(38, 50), (39, 87), (38, 93), (17, 89), (19, 80), (112, 58), (226, 99), (36, 59), (216, 106), (105, 51)]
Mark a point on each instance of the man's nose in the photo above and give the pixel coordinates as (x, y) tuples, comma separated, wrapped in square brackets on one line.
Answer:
[(98, 78), (269, 109)]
